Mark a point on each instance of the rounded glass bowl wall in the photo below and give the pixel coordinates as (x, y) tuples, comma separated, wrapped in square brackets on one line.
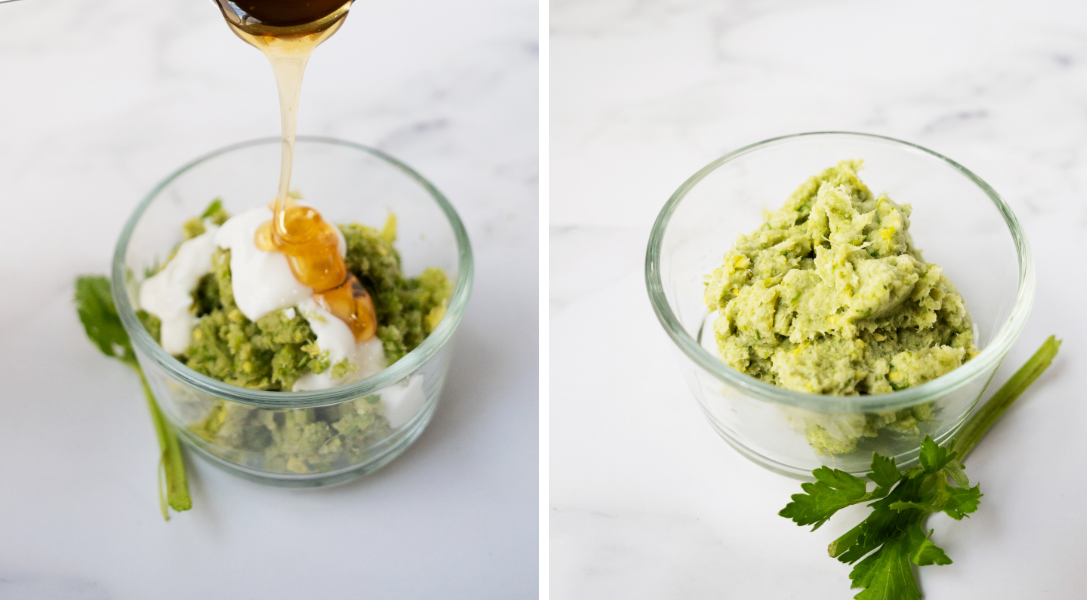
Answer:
[(300, 438), (958, 222)]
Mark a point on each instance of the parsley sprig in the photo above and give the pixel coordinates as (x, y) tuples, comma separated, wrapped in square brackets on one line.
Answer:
[(893, 538), (99, 316)]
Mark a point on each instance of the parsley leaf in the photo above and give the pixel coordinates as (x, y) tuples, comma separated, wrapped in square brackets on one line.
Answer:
[(922, 551), (954, 470), (884, 471), (955, 502), (892, 538), (886, 574), (832, 491), (933, 457), (882, 525), (94, 303), (99, 316)]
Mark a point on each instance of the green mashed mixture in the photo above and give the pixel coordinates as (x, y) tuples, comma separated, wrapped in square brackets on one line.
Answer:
[(272, 352), (830, 296)]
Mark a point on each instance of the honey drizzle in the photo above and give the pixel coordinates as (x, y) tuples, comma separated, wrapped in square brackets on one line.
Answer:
[(310, 243)]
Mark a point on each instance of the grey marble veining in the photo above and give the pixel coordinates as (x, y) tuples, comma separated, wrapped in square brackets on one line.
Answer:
[(646, 501), (99, 101)]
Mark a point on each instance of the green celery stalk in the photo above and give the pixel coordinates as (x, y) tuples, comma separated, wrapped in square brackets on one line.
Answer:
[(987, 415)]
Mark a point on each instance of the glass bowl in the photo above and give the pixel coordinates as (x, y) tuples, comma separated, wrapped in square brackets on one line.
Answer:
[(958, 221), (312, 438)]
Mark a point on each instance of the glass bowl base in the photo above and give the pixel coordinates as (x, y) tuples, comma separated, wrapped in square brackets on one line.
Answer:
[(315, 480), (904, 460)]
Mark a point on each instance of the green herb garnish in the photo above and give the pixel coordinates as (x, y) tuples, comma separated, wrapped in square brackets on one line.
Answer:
[(893, 537), (103, 325), (212, 209)]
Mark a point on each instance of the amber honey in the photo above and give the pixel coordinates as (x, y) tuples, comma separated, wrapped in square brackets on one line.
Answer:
[(287, 31), (312, 248)]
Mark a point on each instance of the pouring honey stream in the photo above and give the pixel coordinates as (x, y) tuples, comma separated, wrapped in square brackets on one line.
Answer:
[(287, 31)]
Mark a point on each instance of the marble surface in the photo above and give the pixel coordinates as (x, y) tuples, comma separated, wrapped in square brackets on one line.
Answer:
[(101, 99), (646, 501)]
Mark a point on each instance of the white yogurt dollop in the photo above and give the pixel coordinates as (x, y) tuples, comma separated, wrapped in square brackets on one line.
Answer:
[(402, 400), (262, 281), (335, 337), (168, 293)]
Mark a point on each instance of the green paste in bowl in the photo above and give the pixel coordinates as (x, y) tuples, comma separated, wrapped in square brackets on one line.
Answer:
[(830, 296)]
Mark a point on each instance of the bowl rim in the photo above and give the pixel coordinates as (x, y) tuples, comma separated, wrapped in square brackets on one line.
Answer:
[(402, 368), (991, 355)]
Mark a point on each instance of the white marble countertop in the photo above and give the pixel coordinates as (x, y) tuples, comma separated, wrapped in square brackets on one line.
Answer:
[(646, 501), (101, 99)]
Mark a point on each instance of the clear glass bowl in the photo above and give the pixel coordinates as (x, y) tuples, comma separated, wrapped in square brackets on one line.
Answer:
[(291, 438), (958, 221)]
